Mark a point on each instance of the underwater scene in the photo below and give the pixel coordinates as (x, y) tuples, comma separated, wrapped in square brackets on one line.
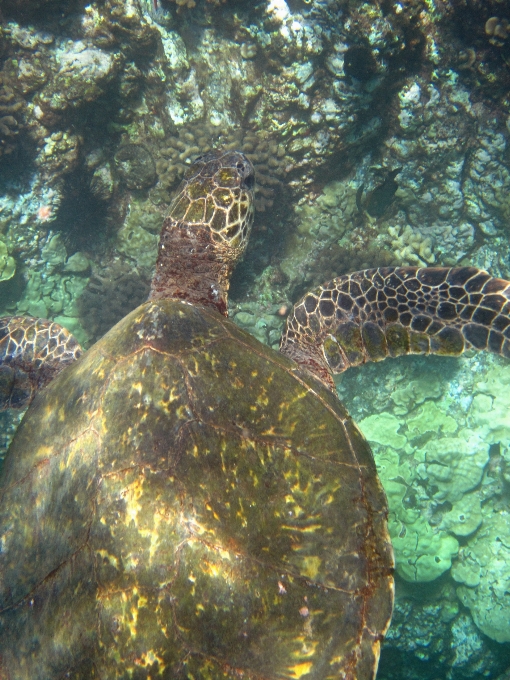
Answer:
[(189, 498)]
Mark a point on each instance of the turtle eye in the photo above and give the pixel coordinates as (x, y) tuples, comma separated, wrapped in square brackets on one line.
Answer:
[(248, 182), (246, 173), (232, 231)]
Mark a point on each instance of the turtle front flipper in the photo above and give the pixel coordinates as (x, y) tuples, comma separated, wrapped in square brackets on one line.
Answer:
[(387, 312), (32, 353)]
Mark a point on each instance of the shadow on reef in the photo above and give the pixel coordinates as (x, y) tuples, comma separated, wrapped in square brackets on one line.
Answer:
[(430, 632), (114, 289), (38, 10), (82, 219), (264, 249), (480, 29), (16, 167)]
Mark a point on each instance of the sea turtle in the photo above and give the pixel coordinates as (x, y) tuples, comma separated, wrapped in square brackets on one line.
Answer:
[(183, 501)]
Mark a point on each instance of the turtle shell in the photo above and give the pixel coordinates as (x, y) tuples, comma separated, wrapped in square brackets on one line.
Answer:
[(184, 502)]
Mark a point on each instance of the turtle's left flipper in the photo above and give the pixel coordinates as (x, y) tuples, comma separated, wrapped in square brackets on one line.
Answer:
[(32, 352), (388, 312)]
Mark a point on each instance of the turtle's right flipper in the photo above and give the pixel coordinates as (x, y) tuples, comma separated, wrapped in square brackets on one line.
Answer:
[(32, 353), (378, 313)]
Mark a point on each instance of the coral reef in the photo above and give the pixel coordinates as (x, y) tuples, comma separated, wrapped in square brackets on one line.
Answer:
[(189, 4), (114, 289), (432, 636), (268, 158), (483, 572), (442, 445), (136, 166), (10, 106), (7, 263), (52, 291)]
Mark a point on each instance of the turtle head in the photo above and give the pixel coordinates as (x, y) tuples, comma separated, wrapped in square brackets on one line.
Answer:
[(216, 194), (206, 231)]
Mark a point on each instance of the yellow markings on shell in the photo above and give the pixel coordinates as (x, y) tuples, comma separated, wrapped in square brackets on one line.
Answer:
[(241, 514), (270, 432), (132, 603), (209, 507), (182, 412), (310, 566), (197, 530), (106, 556), (132, 624), (261, 400), (142, 600), (300, 669), (213, 570), (224, 554), (99, 371), (309, 529), (137, 387), (308, 647), (43, 452), (131, 496), (148, 658), (153, 534), (174, 395), (222, 454), (131, 563), (192, 366), (286, 406)]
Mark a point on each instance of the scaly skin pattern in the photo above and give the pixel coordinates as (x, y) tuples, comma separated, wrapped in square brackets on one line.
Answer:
[(388, 312), (206, 231), (184, 502), (32, 353)]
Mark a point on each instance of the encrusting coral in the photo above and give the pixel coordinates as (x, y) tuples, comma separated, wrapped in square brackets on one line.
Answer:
[(444, 460), (10, 106), (7, 263)]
